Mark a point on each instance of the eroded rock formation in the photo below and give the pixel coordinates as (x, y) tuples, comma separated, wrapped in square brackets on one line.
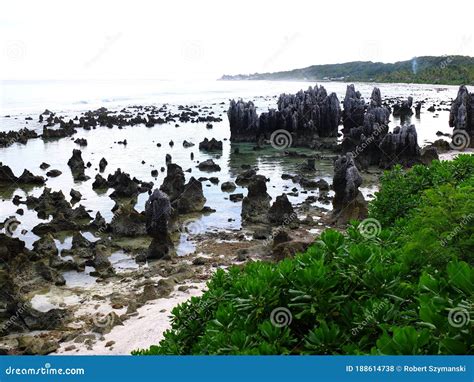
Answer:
[(354, 109), (158, 212), (400, 147), (348, 202), (18, 267), (77, 166), (7, 176), (372, 144), (184, 198), (256, 204), (281, 212), (363, 141), (243, 121), (20, 136), (461, 118), (173, 184), (122, 183), (192, 199), (403, 109), (306, 115), (210, 145)]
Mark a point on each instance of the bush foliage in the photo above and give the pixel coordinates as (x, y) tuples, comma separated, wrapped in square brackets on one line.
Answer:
[(401, 191)]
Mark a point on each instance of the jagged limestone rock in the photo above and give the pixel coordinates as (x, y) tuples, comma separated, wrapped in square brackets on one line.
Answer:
[(348, 202)]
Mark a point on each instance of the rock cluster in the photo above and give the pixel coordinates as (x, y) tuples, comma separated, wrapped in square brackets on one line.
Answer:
[(354, 109), (243, 121), (7, 176), (400, 146), (210, 145), (363, 140), (403, 109), (371, 143), (123, 185), (306, 115), (18, 267), (20, 136), (184, 197), (54, 204), (65, 130), (49, 203)]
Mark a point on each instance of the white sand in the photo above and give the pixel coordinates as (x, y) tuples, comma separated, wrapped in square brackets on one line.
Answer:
[(138, 332)]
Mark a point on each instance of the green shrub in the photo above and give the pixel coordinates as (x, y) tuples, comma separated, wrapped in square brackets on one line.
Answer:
[(401, 190), (441, 228)]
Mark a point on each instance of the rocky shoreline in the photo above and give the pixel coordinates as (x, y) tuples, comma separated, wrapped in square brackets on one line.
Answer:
[(83, 299)]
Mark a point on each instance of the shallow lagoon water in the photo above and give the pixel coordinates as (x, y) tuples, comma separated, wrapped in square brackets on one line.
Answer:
[(142, 147), (76, 279), (122, 262), (142, 143)]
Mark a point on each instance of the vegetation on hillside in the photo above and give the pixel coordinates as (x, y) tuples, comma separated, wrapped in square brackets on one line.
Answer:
[(406, 287), (449, 70)]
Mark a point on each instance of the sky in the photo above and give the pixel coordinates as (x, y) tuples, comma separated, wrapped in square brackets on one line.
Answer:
[(204, 39)]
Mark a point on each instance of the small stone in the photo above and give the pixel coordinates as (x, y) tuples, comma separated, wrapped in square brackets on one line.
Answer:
[(236, 197)]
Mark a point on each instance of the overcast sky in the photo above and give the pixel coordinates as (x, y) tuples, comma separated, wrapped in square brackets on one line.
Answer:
[(53, 39)]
